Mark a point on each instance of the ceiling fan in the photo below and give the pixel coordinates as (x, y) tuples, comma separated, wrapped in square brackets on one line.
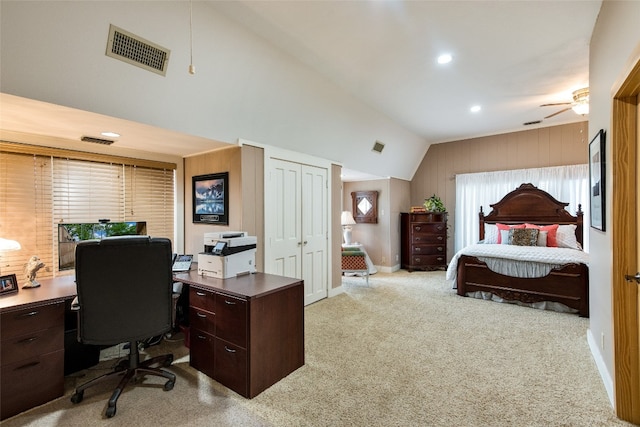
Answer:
[(580, 105)]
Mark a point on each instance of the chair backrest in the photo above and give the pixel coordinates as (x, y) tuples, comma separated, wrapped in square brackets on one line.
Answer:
[(124, 289)]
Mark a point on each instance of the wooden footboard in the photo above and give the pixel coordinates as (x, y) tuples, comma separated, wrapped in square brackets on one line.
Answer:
[(568, 285)]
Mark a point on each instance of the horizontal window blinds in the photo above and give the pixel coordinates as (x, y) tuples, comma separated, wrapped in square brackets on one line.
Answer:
[(39, 192), (25, 213)]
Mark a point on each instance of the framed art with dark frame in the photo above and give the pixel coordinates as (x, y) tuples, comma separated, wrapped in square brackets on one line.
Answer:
[(597, 173), (211, 198), (8, 284)]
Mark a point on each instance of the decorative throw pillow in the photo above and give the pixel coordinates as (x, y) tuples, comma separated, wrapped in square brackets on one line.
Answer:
[(542, 238), (551, 235), (506, 227), (566, 237), (523, 237), (490, 234)]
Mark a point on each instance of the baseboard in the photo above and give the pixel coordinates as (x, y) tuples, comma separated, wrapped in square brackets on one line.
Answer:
[(336, 291), (602, 367)]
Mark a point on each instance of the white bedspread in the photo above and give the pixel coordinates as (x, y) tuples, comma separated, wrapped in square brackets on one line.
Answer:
[(519, 261)]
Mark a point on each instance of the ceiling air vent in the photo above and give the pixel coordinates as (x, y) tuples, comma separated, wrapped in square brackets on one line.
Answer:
[(96, 140), (137, 51), (378, 147)]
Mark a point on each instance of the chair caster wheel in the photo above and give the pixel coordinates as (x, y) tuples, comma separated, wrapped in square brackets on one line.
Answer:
[(168, 385), (77, 397), (111, 411)]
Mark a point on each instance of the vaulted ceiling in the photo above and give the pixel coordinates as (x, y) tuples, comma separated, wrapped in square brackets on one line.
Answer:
[(340, 75)]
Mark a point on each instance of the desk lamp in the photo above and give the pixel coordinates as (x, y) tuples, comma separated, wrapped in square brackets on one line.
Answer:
[(7, 245), (346, 220)]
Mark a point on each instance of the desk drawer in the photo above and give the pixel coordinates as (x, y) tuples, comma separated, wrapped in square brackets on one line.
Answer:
[(18, 349), (202, 320), (231, 319), (231, 366), (31, 382), (27, 321), (202, 299), (201, 351)]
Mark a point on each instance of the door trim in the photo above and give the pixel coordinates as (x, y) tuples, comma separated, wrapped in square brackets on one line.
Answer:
[(624, 246)]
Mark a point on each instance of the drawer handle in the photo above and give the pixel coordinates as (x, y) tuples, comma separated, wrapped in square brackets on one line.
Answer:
[(440, 228), (229, 302), (201, 337), (417, 249), (28, 365), (201, 294), (32, 313), (28, 340), (418, 228), (203, 316), (440, 248), (418, 239), (439, 258), (440, 237), (229, 350)]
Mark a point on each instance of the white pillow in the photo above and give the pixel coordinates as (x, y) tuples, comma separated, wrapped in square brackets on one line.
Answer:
[(542, 238), (504, 237), (490, 234), (566, 237)]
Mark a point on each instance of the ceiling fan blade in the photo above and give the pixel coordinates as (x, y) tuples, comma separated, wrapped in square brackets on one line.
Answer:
[(557, 103), (558, 112)]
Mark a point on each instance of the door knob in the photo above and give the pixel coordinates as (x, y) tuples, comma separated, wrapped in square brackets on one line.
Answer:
[(635, 278)]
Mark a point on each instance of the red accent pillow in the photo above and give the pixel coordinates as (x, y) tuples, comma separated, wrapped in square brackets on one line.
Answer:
[(506, 227), (551, 230)]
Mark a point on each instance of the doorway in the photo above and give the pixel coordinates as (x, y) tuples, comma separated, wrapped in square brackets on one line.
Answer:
[(626, 246)]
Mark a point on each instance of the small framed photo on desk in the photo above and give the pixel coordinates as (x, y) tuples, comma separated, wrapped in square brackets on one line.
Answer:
[(8, 284)]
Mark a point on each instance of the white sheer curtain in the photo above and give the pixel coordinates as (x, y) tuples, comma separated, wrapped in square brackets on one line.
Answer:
[(565, 183)]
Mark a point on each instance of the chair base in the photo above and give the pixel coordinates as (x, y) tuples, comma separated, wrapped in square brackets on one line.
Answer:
[(135, 369)]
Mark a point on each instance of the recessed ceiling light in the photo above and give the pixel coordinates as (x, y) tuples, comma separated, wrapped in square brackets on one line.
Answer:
[(444, 58), (476, 108), (110, 134)]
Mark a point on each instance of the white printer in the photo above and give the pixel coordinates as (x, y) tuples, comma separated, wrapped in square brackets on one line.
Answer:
[(227, 254)]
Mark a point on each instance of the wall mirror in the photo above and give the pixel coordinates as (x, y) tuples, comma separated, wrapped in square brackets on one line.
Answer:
[(365, 206)]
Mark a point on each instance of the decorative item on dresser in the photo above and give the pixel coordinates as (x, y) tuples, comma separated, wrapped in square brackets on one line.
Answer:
[(424, 240)]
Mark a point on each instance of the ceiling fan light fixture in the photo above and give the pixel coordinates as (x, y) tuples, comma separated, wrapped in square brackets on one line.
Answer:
[(581, 109)]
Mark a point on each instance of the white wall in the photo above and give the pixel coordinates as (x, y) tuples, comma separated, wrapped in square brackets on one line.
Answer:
[(54, 51), (615, 41)]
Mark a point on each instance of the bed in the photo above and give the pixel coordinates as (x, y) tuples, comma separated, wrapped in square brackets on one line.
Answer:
[(530, 274)]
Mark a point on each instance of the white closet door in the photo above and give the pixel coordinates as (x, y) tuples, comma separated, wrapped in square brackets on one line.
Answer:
[(284, 220), (296, 223), (314, 233)]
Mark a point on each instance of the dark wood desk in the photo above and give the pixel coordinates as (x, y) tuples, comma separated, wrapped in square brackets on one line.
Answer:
[(32, 344), (256, 338), (246, 332)]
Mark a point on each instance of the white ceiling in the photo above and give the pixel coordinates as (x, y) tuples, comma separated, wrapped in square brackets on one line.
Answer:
[(508, 56)]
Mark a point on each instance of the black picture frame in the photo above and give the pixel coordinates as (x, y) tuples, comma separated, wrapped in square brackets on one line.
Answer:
[(597, 175), (211, 198), (8, 284)]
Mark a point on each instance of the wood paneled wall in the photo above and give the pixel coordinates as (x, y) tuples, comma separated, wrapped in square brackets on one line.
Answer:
[(536, 148)]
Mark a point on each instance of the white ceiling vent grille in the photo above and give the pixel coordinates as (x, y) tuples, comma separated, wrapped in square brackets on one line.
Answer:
[(378, 147), (137, 51)]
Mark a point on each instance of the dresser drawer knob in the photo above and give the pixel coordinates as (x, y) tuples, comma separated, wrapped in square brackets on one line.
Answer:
[(417, 249), (440, 228), (229, 302), (201, 294), (201, 315), (230, 350), (418, 228), (28, 340), (440, 248), (440, 237)]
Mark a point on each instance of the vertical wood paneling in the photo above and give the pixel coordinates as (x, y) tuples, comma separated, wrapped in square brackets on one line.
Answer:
[(535, 148)]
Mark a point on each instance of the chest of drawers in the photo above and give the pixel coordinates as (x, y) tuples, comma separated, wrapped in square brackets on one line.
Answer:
[(423, 240), (246, 333), (32, 357)]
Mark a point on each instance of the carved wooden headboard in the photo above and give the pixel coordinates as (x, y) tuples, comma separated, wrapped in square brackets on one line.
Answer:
[(528, 203)]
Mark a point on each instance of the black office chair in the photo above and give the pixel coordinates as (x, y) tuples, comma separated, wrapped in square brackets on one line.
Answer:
[(124, 295)]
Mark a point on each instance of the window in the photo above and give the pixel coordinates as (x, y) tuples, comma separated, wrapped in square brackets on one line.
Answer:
[(41, 191)]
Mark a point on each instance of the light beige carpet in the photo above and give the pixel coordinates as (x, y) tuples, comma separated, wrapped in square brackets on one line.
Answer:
[(406, 351)]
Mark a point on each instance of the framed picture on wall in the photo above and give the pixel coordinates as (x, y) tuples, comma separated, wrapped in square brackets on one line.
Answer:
[(211, 198), (597, 173)]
